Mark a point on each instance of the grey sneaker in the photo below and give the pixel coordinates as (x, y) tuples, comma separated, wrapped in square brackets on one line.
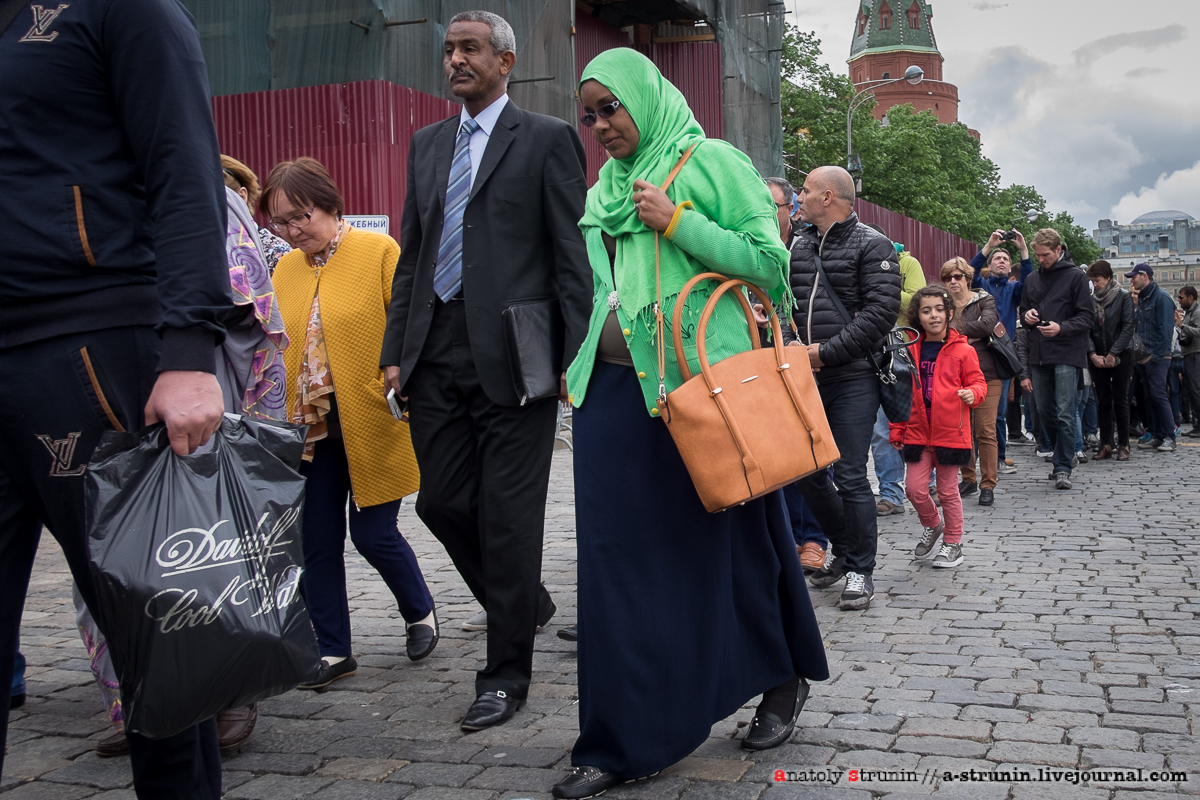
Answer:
[(1168, 446), (1062, 480), (1007, 468), (1081, 457), (1150, 444), (1043, 453), (476, 623), (858, 592), (949, 556), (928, 539), (829, 574)]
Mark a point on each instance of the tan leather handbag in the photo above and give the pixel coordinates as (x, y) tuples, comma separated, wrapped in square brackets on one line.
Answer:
[(751, 423)]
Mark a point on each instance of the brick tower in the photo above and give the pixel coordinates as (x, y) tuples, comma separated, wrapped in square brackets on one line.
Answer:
[(890, 36)]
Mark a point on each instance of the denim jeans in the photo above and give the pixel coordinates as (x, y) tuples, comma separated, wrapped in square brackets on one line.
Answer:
[(1002, 421), (1089, 415), (1080, 399), (1056, 390), (889, 464), (1157, 418), (805, 527), (845, 505), (1175, 384)]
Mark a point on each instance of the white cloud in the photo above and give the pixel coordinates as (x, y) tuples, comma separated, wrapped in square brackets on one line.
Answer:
[(1089, 116), (1178, 191)]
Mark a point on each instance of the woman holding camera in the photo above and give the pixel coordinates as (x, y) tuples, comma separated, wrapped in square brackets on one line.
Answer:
[(1108, 362), (334, 290)]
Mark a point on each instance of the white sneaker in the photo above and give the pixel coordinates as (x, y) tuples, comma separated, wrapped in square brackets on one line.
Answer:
[(1007, 469), (476, 623)]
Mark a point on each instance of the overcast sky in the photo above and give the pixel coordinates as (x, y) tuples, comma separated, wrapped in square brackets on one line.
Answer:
[(1094, 103)]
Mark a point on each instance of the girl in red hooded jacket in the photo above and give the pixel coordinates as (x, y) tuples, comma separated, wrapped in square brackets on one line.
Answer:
[(946, 386)]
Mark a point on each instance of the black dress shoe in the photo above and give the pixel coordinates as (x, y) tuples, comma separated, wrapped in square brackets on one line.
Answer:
[(767, 730), (986, 497), (490, 708), (584, 782), (546, 611), (570, 634), (422, 639), (330, 673), (16, 700), (967, 487)]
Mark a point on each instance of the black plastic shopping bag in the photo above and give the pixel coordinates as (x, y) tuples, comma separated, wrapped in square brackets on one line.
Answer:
[(197, 563)]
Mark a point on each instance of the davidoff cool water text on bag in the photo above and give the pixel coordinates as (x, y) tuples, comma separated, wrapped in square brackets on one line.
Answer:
[(197, 562)]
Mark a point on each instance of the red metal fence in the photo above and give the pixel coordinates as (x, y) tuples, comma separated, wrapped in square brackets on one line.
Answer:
[(359, 131), (931, 246)]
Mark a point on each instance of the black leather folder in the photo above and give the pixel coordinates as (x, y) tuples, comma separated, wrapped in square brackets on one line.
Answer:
[(533, 334)]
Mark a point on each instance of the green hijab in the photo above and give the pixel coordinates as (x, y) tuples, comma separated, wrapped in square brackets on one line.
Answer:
[(720, 181)]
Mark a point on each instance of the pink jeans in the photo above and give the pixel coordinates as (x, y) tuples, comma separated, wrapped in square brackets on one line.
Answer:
[(917, 481)]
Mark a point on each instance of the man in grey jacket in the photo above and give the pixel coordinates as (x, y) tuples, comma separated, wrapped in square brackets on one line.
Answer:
[(1187, 319)]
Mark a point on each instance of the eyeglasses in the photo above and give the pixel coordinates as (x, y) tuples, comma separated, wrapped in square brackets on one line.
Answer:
[(603, 112), (958, 276), (299, 222), (783, 205)]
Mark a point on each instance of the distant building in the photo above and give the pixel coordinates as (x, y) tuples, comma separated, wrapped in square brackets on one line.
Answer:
[(888, 39), (1169, 241)]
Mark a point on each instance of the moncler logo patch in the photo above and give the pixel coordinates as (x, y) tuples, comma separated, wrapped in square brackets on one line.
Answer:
[(886, 265), (42, 20)]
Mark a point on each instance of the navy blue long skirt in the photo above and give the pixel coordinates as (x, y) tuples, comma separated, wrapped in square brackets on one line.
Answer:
[(683, 615)]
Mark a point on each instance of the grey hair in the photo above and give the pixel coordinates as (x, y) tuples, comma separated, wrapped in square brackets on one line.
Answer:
[(784, 185), (502, 38)]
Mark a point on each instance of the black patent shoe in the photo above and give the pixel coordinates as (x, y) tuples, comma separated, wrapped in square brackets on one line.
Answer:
[(584, 782), (570, 634), (767, 730), (490, 708), (330, 673), (422, 639)]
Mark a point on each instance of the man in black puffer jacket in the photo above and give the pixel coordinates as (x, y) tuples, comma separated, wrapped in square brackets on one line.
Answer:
[(862, 269)]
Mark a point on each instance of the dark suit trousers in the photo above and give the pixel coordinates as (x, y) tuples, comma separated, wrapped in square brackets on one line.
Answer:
[(57, 398), (485, 470)]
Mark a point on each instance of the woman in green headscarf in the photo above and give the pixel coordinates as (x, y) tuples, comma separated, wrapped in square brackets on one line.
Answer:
[(684, 616)]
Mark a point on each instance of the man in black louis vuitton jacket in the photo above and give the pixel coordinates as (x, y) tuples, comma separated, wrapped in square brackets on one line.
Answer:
[(861, 268)]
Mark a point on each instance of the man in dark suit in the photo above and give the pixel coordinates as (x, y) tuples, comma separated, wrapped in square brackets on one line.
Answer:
[(494, 198)]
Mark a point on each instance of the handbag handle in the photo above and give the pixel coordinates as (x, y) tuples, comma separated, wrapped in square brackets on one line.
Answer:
[(658, 314), (677, 320)]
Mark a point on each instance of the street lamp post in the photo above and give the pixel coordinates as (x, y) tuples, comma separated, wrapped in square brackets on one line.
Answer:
[(913, 75)]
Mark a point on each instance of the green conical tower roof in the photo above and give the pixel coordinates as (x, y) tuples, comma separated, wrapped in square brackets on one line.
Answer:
[(909, 27)]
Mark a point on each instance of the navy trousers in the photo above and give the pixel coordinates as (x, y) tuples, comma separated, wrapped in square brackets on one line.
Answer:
[(376, 536), (57, 397)]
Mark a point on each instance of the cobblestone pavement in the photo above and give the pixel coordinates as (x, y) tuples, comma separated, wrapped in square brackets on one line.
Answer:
[(1069, 639)]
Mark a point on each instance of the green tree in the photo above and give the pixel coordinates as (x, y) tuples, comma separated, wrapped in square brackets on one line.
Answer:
[(913, 165)]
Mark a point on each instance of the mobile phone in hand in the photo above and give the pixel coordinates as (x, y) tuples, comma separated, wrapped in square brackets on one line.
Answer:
[(398, 407), (1043, 324)]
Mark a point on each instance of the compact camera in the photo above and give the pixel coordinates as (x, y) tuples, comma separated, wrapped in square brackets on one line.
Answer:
[(1008, 236)]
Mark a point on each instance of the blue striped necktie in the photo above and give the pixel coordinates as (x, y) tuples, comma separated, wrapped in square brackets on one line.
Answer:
[(447, 278)]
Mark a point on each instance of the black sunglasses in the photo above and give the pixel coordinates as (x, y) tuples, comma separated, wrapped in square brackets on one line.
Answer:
[(603, 112)]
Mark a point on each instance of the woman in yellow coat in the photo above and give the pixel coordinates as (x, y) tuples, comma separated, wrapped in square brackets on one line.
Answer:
[(333, 291)]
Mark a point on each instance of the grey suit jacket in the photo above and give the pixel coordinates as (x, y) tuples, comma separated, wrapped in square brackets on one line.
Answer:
[(521, 241)]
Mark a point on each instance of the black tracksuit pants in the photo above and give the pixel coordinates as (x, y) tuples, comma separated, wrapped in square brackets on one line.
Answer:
[(57, 397)]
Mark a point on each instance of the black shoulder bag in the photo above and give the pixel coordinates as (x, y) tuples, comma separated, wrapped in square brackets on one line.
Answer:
[(896, 373)]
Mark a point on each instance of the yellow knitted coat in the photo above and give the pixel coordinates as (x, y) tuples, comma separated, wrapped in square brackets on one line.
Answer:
[(355, 288)]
